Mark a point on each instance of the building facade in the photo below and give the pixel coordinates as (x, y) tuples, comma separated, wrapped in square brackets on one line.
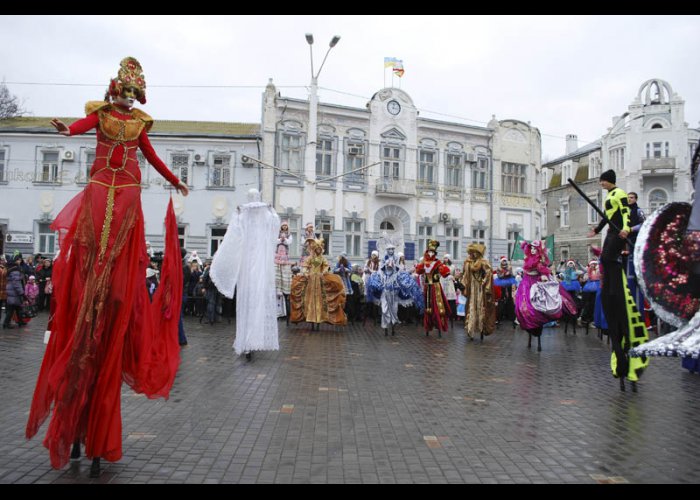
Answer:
[(649, 147), (40, 171), (383, 168)]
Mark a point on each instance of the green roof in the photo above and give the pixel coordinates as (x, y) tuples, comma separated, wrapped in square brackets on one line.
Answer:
[(174, 127)]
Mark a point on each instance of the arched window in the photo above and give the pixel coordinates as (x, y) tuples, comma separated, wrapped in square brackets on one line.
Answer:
[(386, 226), (657, 199), (657, 125)]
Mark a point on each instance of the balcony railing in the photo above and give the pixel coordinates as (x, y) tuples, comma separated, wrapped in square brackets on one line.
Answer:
[(658, 163), (402, 188)]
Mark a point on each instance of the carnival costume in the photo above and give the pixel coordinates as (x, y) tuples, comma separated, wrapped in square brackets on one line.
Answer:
[(437, 310), (477, 278), (537, 265), (505, 281), (571, 283), (105, 329), (625, 326), (391, 287), (283, 270), (589, 291), (244, 264), (318, 296), (667, 259)]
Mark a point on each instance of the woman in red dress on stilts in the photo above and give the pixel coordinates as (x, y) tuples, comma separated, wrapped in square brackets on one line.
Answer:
[(104, 329)]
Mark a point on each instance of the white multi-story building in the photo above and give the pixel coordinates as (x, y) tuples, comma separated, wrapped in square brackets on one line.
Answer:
[(649, 147), (40, 171), (425, 179)]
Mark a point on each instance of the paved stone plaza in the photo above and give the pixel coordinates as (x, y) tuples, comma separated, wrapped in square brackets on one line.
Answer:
[(349, 405)]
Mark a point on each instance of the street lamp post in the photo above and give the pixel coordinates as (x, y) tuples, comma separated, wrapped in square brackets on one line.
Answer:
[(309, 204)]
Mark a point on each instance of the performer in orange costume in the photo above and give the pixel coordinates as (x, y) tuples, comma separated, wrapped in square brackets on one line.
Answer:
[(105, 328), (437, 309)]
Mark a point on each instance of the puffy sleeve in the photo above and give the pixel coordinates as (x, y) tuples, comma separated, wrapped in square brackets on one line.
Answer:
[(226, 266), (150, 154)]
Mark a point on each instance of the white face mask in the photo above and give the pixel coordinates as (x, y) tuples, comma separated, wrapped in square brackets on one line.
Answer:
[(533, 250)]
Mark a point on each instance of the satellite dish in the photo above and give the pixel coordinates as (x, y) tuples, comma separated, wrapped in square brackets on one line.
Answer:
[(178, 204), (219, 206), (46, 202)]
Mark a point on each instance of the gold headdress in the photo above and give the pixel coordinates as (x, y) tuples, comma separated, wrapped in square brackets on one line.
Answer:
[(477, 248), (130, 75), (433, 245)]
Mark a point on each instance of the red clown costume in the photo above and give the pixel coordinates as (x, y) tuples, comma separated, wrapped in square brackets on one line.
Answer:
[(105, 328), (437, 309)]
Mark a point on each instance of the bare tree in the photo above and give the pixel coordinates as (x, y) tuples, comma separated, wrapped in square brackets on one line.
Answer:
[(10, 106)]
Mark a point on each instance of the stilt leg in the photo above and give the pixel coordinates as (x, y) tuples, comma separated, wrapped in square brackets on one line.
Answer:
[(95, 467), (75, 451)]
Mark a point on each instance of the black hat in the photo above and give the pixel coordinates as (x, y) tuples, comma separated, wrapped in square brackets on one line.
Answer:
[(608, 175)]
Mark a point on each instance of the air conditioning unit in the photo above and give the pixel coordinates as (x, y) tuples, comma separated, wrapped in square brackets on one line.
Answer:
[(471, 157), (557, 213), (444, 217), (68, 155), (247, 161), (199, 159), (353, 151)]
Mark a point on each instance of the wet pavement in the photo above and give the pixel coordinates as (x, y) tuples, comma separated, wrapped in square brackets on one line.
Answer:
[(349, 405)]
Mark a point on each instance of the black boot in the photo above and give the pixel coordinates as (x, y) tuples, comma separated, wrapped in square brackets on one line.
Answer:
[(386, 332), (392, 330), (95, 467), (622, 384), (75, 451), (249, 356), (634, 386)]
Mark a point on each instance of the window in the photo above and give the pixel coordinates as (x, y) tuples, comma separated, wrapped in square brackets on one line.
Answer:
[(565, 173), (594, 168), (291, 148), (426, 166), (295, 247), (221, 171), (513, 177), (49, 167), (425, 233), (479, 235), (564, 214), (452, 241), (143, 167), (617, 158), (657, 199), (353, 237), (217, 237), (324, 226), (324, 157), (84, 173), (656, 149), (47, 239), (180, 165), (355, 158), (479, 173), (512, 238), (453, 170), (391, 162), (564, 253), (182, 235), (3, 169), (386, 226), (666, 149), (692, 146), (593, 216)]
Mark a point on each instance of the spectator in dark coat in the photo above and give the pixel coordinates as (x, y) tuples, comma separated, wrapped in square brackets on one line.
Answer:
[(45, 272), (3, 282), (15, 293)]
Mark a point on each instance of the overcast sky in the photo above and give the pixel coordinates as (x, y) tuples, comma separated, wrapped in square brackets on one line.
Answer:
[(564, 74)]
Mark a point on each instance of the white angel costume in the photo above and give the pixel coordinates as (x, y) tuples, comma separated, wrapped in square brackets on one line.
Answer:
[(245, 261)]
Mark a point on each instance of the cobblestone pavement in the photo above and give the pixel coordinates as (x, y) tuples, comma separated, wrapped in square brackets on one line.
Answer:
[(349, 405)]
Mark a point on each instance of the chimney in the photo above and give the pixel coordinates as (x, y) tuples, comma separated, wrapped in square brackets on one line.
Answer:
[(571, 143)]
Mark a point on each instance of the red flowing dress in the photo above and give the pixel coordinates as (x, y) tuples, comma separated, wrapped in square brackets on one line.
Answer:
[(437, 308), (104, 328)]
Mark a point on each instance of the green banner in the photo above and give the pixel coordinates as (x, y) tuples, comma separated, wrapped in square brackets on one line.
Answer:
[(518, 252)]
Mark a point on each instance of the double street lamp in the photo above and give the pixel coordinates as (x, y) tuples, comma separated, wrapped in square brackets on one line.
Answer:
[(309, 208)]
